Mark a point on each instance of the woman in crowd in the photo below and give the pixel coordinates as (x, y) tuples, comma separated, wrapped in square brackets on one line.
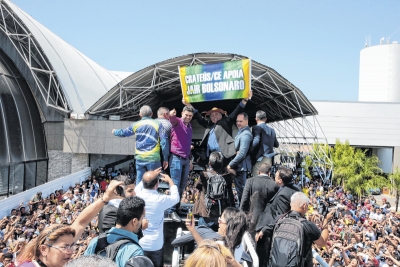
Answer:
[(53, 199), (53, 246), (232, 225), (211, 254)]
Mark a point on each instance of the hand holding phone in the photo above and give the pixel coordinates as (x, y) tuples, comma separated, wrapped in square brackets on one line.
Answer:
[(120, 190)]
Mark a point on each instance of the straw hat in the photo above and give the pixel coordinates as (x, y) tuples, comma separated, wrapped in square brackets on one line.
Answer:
[(223, 112)]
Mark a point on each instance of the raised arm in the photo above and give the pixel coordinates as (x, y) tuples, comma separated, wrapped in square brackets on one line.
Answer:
[(232, 117), (124, 132), (197, 116), (190, 226), (87, 215)]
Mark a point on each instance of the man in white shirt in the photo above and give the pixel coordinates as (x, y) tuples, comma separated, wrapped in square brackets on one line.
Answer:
[(377, 216), (153, 239), (70, 199)]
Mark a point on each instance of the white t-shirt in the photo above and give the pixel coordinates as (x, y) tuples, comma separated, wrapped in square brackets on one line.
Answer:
[(156, 204)]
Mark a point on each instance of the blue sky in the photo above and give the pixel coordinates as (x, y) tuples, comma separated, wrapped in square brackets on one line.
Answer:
[(314, 44)]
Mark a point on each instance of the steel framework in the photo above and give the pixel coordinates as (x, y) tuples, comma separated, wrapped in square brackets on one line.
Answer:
[(288, 110), (31, 53)]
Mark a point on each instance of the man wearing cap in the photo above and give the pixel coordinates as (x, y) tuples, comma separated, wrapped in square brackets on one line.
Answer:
[(218, 134)]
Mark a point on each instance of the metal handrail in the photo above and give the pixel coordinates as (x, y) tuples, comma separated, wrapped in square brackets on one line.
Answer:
[(177, 250), (248, 247), (319, 259)]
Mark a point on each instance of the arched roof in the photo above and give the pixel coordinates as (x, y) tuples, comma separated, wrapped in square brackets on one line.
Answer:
[(21, 130), (159, 85), (75, 81)]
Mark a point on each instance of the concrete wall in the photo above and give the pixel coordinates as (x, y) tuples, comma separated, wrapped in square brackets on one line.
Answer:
[(62, 164), (63, 183), (396, 159), (94, 137), (385, 155), (54, 132), (362, 123)]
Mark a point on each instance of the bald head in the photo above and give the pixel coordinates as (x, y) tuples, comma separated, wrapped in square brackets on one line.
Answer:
[(150, 180), (299, 202)]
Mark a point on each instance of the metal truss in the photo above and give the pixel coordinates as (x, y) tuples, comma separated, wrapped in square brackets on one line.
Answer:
[(160, 83), (302, 137), (288, 110), (33, 56)]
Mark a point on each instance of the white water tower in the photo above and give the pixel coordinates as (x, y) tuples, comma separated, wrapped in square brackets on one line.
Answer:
[(380, 73)]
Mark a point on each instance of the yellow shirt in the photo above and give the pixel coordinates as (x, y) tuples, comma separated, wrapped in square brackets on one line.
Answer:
[(305, 191)]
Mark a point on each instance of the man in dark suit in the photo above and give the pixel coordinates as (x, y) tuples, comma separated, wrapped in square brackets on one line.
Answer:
[(218, 134), (276, 207), (264, 141), (258, 191)]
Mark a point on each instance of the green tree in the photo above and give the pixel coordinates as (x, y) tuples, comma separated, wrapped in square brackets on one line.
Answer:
[(343, 162), (395, 185), (352, 168), (367, 174)]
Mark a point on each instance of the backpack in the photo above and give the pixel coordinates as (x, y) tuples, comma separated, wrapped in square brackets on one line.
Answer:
[(287, 242), (215, 192), (110, 250)]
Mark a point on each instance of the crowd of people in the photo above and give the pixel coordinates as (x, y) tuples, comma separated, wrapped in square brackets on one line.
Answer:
[(239, 192), (27, 221)]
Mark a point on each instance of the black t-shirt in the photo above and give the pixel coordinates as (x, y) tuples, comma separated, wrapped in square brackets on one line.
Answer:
[(311, 233)]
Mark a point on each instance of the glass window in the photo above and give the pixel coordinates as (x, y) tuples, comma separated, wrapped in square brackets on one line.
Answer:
[(30, 175), (3, 181), (41, 172), (16, 178)]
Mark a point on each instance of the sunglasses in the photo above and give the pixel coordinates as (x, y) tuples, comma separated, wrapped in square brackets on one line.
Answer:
[(221, 221)]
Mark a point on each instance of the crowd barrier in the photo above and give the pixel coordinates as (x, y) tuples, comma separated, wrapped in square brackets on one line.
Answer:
[(61, 183)]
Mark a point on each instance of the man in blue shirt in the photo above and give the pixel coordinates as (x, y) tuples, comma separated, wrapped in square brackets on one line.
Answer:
[(130, 214), (241, 162)]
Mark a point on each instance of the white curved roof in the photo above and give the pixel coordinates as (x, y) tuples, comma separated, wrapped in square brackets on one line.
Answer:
[(83, 80)]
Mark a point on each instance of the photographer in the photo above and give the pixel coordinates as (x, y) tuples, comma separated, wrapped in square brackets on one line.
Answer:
[(108, 214)]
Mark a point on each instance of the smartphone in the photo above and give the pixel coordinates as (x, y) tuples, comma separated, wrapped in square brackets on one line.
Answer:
[(21, 239), (190, 216), (121, 190), (160, 175)]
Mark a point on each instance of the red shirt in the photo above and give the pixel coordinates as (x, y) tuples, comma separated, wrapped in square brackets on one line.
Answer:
[(103, 185)]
